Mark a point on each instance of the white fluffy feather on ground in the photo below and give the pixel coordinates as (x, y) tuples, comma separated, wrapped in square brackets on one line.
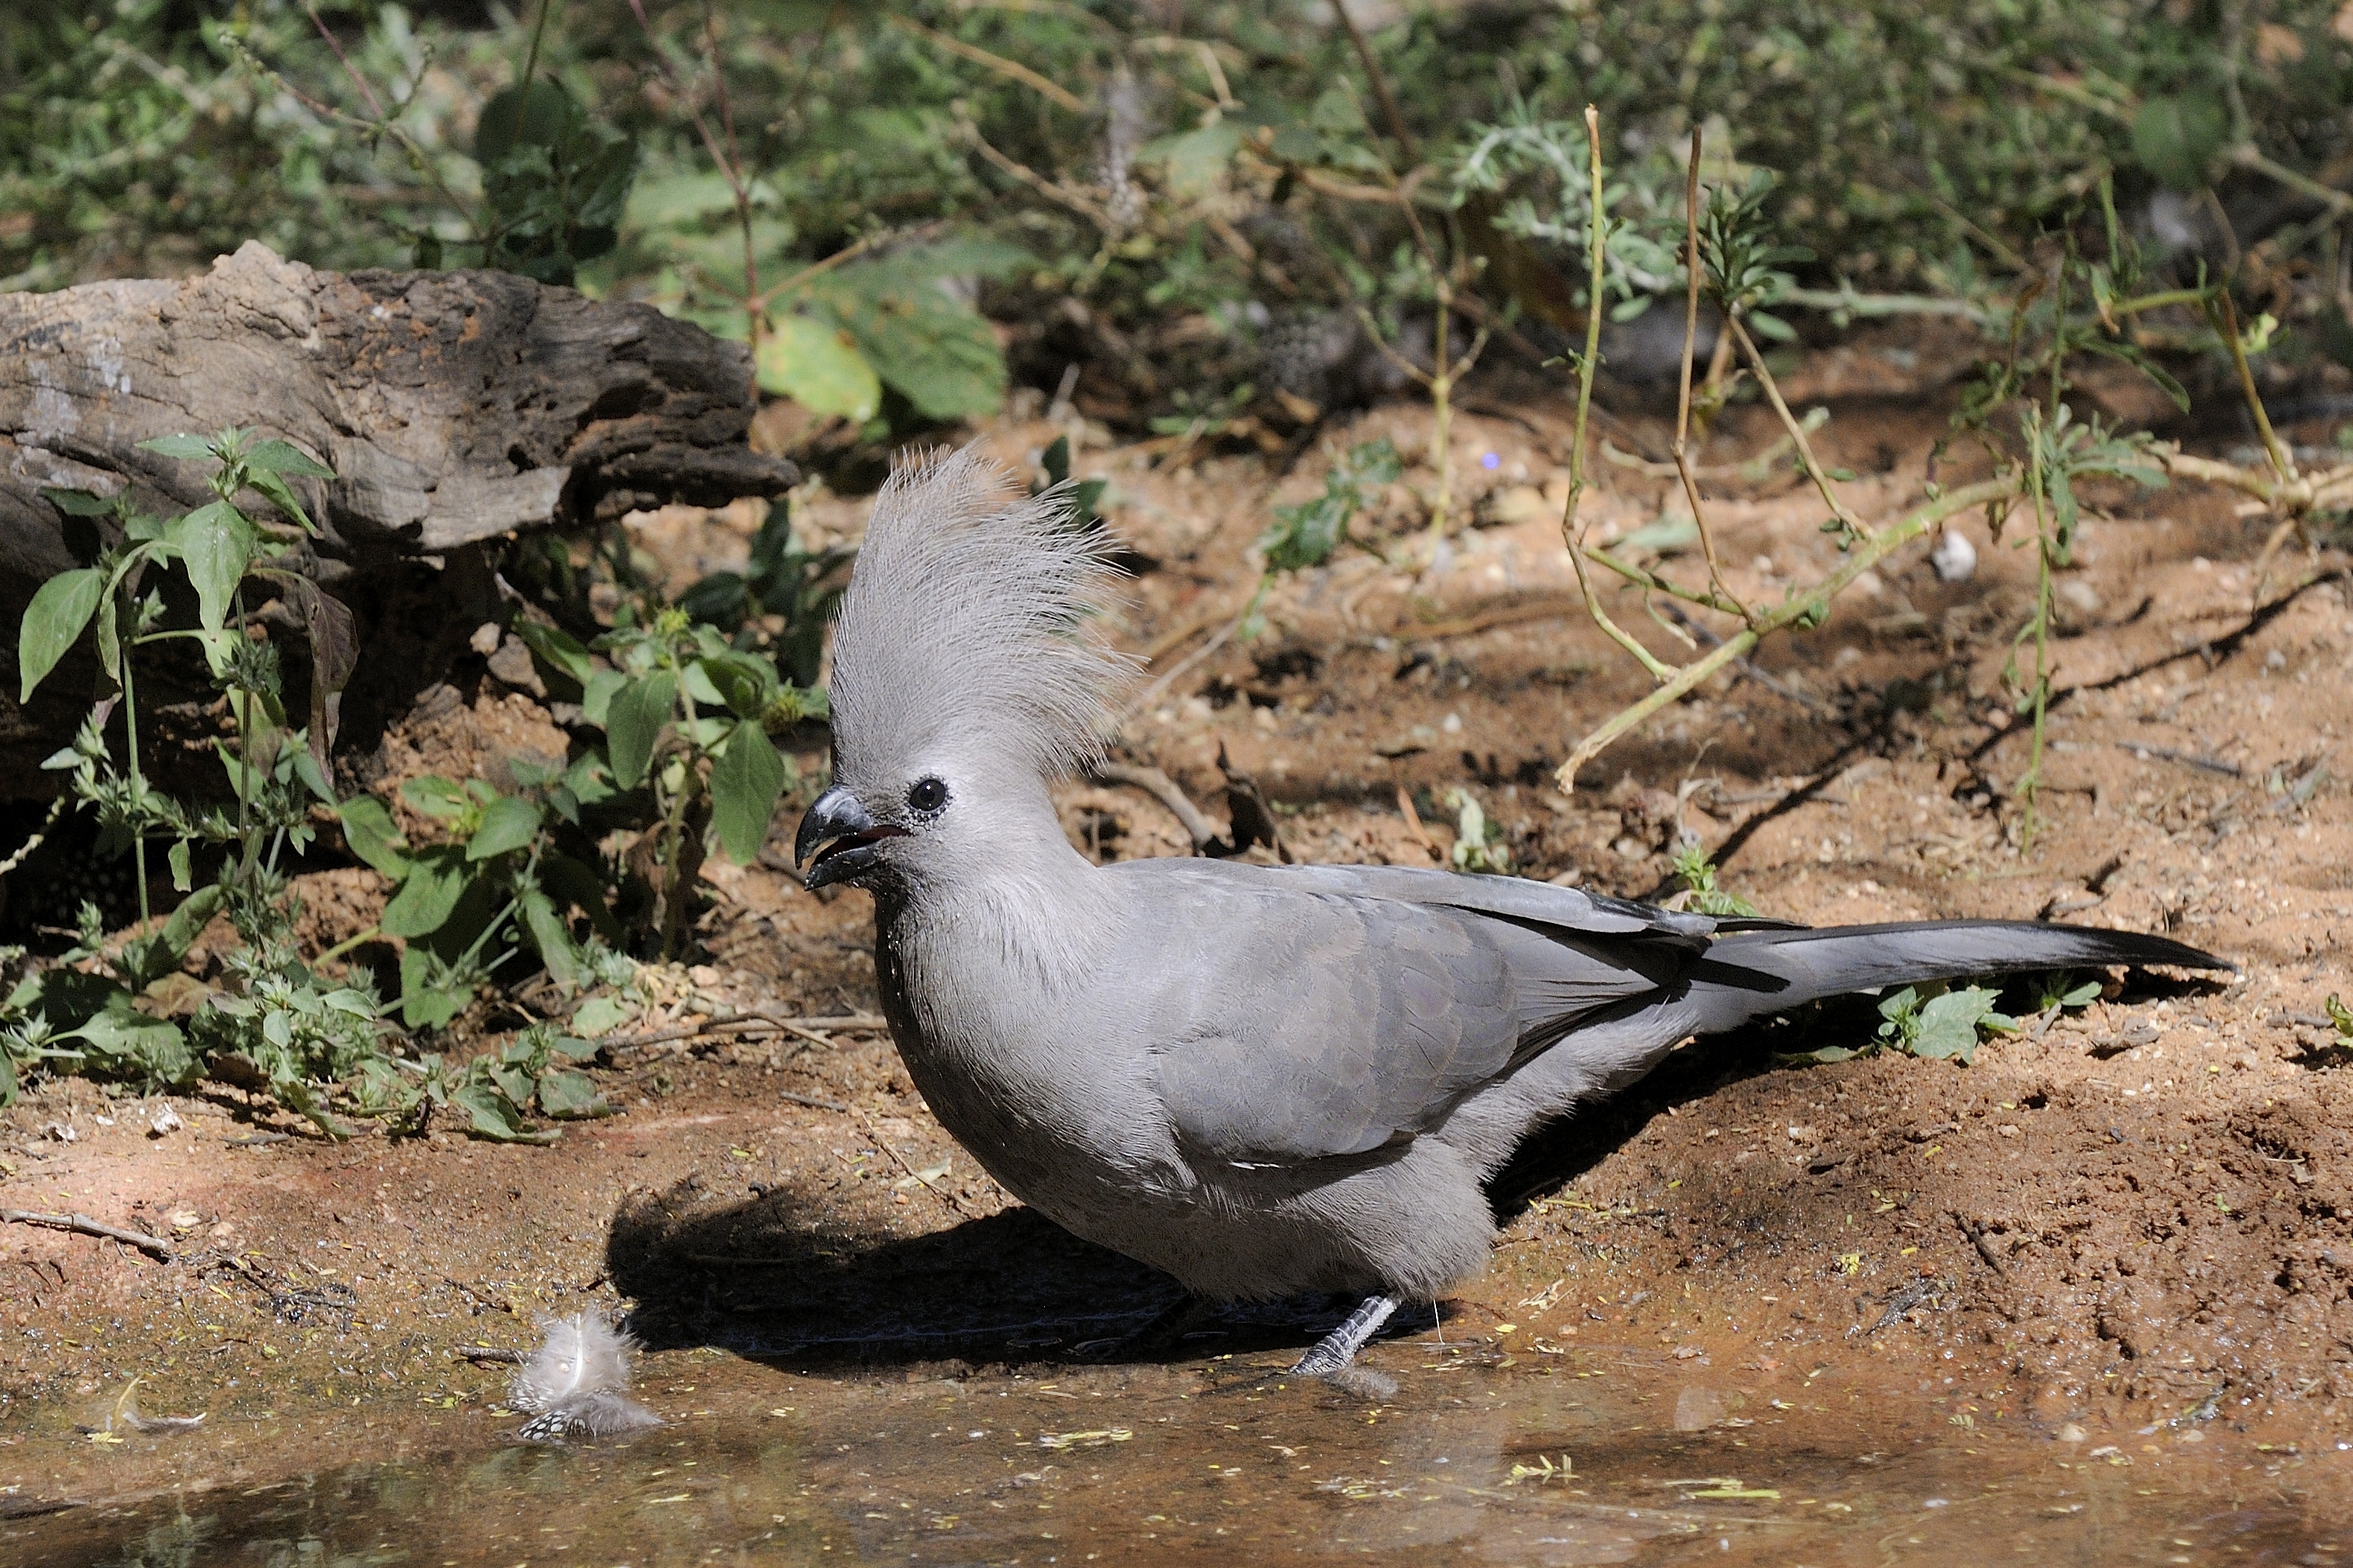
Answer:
[(576, 1384)]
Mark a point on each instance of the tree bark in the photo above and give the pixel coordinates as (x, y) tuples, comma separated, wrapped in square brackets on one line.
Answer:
[(454, 407)]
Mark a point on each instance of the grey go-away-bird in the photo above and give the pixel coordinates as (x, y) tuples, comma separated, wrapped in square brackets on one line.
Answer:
[(1267, 1080)]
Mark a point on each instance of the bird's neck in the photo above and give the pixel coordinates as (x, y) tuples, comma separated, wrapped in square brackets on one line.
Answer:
[(1032, 909)]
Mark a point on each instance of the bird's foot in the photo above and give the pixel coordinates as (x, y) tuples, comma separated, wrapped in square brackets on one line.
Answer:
[(1337, 1351)]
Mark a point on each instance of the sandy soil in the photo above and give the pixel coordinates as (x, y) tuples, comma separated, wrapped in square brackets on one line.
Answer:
[(2139, 1216)]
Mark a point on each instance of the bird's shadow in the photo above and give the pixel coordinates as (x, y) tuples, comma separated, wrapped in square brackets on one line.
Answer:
[(763, 1278)]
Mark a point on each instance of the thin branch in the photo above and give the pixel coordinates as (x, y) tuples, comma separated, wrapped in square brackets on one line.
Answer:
[(1054, 190), (1844, 513), (1755, 671), (345, 60), (1164, 789), (848, 253), (1019, 72), (1874, 549), (900, 1159), (1572, 534), (2226, 324), (756, 1023), (1683, 391), (1381, 93), (82, 1225)]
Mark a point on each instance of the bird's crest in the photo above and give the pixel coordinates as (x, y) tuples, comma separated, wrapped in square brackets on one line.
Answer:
[(970, 622)]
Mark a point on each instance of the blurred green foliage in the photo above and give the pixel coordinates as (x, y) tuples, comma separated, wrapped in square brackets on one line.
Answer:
[(914, 202)]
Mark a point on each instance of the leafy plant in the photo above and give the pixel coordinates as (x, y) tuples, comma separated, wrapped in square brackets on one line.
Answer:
[(1479, 844), (1306, 534), (276, 772), (1929, 1020), (2060, 989), (778, 606), (1082, 499), (687, 717), (1696, 871), (555, 179), (496, 879), (495, 1094)]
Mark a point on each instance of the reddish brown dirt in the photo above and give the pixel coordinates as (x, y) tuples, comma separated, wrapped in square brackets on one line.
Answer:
[(2133, 1214)]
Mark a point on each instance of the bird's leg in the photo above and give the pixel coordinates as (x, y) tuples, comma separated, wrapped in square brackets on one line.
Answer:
[(1337, 1350)]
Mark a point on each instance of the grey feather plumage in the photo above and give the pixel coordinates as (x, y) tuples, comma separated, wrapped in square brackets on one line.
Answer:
[(1266, 1080)]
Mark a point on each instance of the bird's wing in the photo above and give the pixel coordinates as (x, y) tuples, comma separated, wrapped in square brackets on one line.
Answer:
[(1317, 1023), (1536, 905)]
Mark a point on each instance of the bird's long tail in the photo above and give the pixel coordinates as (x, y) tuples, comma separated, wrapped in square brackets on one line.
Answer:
[(1752, 974)]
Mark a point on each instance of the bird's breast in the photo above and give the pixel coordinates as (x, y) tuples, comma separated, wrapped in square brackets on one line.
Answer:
[(1052, 1100)]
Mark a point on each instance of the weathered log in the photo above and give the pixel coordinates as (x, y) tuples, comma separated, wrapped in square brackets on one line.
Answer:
[(453, 407)]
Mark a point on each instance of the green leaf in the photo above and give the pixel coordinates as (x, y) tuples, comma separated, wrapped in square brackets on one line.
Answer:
[(817, 365), (550, 937), (437, 879), (216, 543), (183, 873), (491, 1115), (120, 1039), (601, 1016), (2177, 139), (1194, 158), (53, 623), (635, 722), (274, 457), (424, 1006), (369, 830), (180, 932), (1948, 1023), (77, 503), (510, 823), (597, 694), (283, 497), (109, 639), (570, 1095), (557, 648), (436, 796), (744, 682), (192, 448), (746, 784), (932, 349)]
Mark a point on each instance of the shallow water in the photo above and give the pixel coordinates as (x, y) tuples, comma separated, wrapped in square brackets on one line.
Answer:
[(1477, 1458)]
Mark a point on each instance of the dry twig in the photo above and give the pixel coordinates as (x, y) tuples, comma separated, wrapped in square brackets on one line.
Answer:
[(82, 1225)]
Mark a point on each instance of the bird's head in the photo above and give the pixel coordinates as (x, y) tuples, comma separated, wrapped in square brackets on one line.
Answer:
[(967, 672)]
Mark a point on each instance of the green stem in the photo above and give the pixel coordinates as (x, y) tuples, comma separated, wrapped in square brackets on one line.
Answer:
[(346, 945), (1442, 412), (2045, 457), (530, 69), (674, 818), (1572, 534), (246, 784), (138, 779)]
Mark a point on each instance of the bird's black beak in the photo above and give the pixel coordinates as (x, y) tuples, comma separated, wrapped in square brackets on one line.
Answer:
[(843, 837)]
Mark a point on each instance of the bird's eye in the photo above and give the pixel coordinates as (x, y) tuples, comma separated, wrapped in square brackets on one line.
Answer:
[(927, 796)]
